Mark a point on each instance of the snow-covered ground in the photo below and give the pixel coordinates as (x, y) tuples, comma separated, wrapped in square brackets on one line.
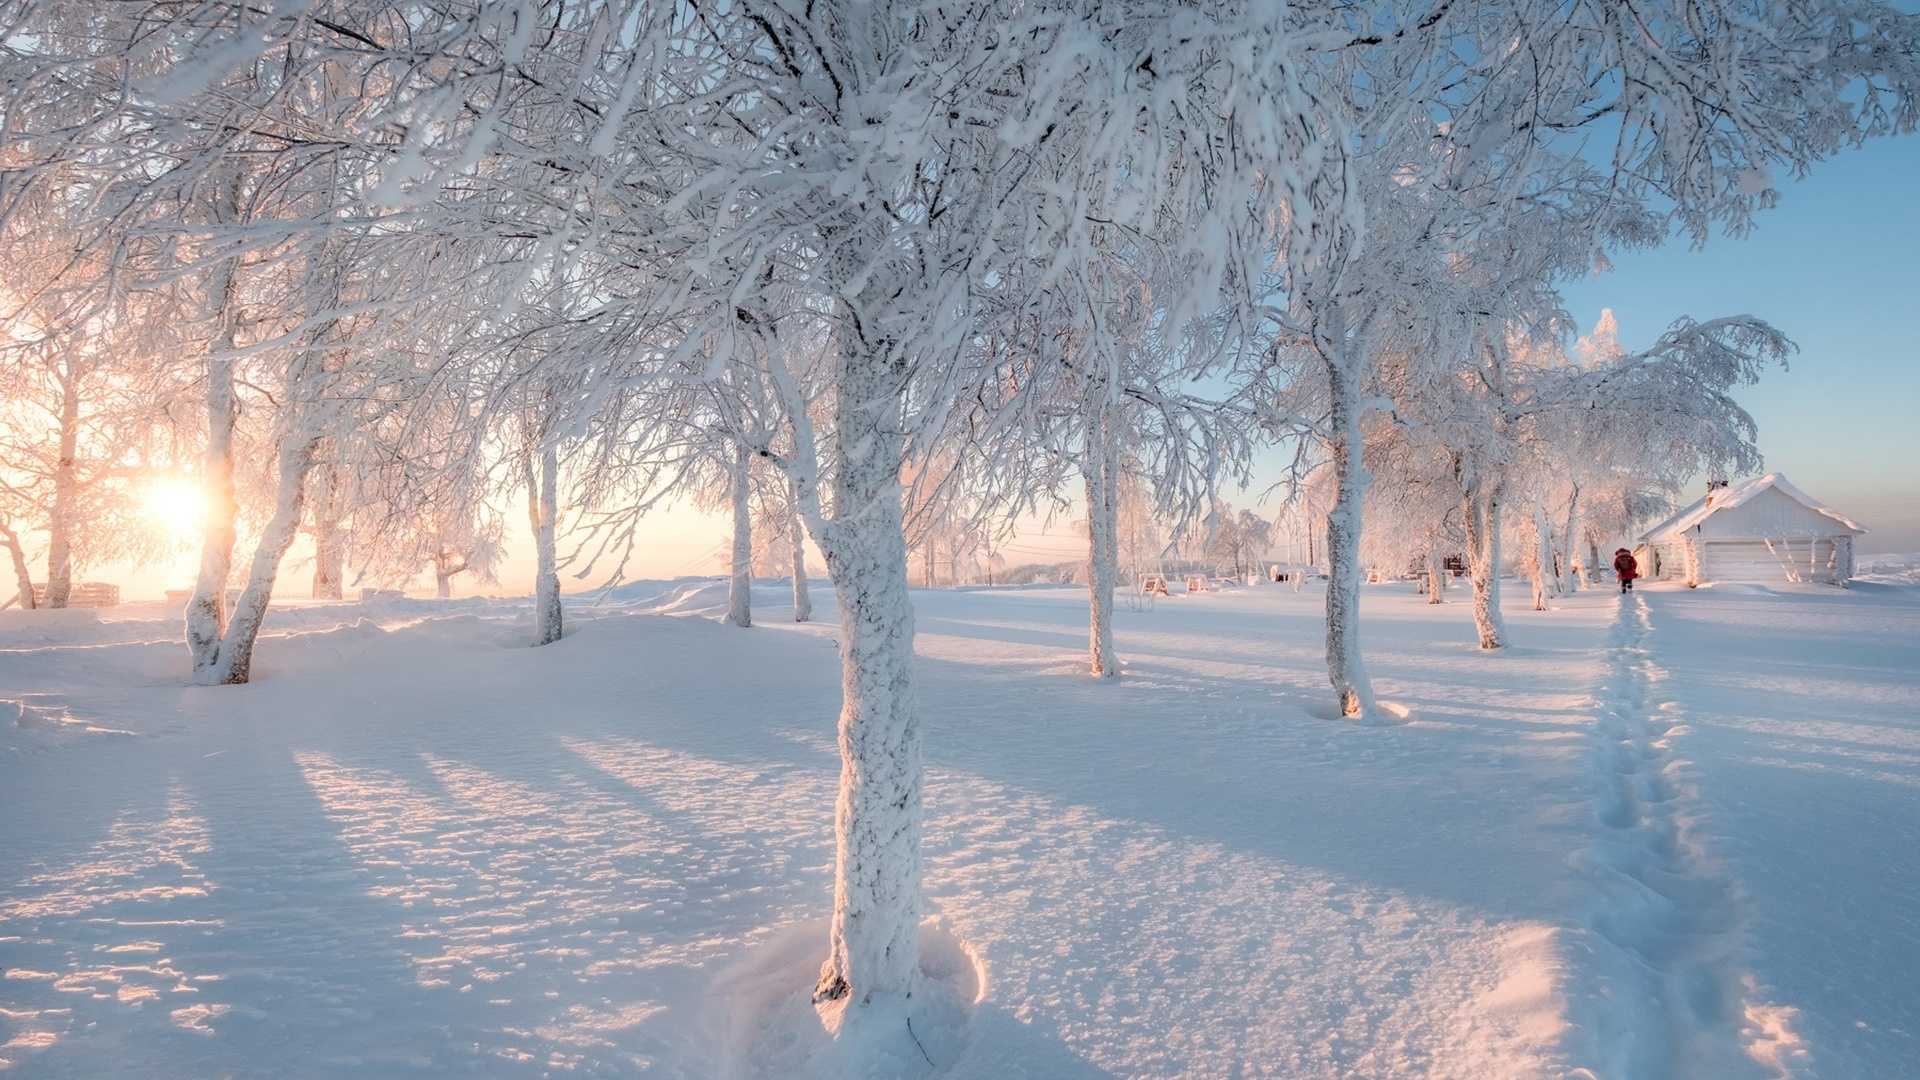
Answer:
[(1674, 836), (1890, 569)]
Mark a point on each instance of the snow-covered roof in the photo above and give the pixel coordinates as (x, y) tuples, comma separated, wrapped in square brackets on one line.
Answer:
[(1728, 498)]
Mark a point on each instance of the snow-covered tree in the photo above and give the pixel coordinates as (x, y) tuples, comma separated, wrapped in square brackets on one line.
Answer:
[(83, 382), (1528, 406), (1236, 538), (780, 541), (893, 145), (17, 556), (1464, 120)]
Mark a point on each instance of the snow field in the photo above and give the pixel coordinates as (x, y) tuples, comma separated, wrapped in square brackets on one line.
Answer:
[(1802, 713), (412, 848)]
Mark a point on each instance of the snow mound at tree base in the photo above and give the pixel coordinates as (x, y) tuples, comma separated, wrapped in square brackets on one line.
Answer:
[(770, 1027), (1385, 714)]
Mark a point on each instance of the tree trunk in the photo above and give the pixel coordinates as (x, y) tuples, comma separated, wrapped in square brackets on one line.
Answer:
[(329, 541), (1570, 545), (66, 495), (1543, 575), (1344, 667), (1549, 548), (207, 611), (543, 508), (231, 662), (206, 615), (740, 584), (1483, 543), (873, 943), (1436, 576), (1102, 472), (21, 575), (802, 599)]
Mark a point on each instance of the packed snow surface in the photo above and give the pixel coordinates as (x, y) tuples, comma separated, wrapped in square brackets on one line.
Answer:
[(1667, 835)]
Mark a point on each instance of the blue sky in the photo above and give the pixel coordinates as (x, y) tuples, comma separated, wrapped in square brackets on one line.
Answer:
[(1834, 267)]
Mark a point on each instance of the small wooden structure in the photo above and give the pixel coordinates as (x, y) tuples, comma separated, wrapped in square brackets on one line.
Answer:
[(1196, 583), (82, 594), (1153, 584)]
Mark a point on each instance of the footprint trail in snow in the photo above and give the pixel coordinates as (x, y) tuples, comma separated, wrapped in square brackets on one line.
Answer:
[(1671, 994)]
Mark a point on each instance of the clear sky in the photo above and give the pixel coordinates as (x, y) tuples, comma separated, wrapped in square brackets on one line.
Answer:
[(1834, 268)]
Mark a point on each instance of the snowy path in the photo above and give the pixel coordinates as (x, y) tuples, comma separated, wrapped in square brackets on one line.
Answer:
[(416, 849), (1671, 994)]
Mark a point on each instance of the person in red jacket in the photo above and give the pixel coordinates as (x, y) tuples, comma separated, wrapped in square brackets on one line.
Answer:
[(1627, 567)]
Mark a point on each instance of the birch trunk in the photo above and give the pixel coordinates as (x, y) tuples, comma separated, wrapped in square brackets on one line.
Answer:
[(66, 495), (206, 615), (231, 662), (1102, 471), (873, 943), (1483, 542), (1436, 576), (1570, 546), (802, 599), (740, 584), (1344, 667), (1542, 557), (543, 507), (329, 541), (445, 566), (207, 611), (22, 577)]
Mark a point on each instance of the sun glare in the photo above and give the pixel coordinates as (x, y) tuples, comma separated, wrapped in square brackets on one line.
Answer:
[(177, 508)]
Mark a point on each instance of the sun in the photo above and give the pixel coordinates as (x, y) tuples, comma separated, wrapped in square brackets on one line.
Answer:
[(176, 507)]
